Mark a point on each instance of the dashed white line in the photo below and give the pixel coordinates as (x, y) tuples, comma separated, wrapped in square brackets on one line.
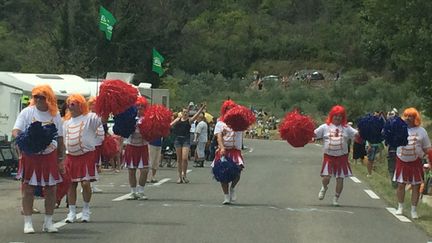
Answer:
[(317, 144), (371, 194), (121, 198), (400, 217), (355, 179), (251, 150), (188, 171), (160, 182), (62, 223)]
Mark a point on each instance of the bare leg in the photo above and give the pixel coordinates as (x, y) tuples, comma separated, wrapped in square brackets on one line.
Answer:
[(325, 181), (370, 166), (225, 188), (132, 178), (72, 195), (86, 191), (400, 192), (179, 163), (415, 194), (339, 186), (143, 177), (185, 152), (50, 199), (28, 198), (235, 181)]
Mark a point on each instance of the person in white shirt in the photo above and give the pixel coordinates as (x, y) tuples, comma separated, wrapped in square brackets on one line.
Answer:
[(200, 138), (40, 169), (79, 130), (335, 133), (229, 145), (409, 167), (136, 156)]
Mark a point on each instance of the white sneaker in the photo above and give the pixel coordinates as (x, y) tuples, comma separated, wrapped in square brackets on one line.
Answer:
[(85, 218), (368, 175), (49, 228), (71, 217), (322, 193), (414, 215), (399, 211), (335, 202), (226, 200), (233, 195), (28, 228), (141, 196), (96, 190), (133, 196)]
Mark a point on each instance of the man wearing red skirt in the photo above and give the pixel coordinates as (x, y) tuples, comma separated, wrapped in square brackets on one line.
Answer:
[(41, 169), (79, 130)]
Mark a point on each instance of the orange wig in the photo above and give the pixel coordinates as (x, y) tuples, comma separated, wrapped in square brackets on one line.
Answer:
[(412, 112), (337, 110), (47, 92), (78, 100), (91, 101), (141, 100), (227, 105)]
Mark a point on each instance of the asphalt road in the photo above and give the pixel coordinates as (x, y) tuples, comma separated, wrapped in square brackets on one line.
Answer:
[(277, 202)]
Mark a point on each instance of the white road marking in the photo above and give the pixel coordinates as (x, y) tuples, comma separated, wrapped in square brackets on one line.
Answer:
[(371, 194), (188, 171), (16, 242), (105, 185), (62, 223), (251, 150), (234, 206), (317, 144), (160, 182), (121, 198), (400, 217), (355, 179)]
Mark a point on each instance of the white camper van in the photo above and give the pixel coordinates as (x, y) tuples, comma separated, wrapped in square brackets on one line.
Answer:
[(14, 85)]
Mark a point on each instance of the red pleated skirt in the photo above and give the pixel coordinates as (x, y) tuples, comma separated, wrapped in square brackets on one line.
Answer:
[(39, 169), (81, 167), (336, 166), (136, 157), (408, 172)]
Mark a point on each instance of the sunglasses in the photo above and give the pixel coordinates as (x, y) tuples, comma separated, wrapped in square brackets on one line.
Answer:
[(39, 97)]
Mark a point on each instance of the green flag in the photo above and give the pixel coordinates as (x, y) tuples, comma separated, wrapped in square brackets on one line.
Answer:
[(106, 22), (157, 62)]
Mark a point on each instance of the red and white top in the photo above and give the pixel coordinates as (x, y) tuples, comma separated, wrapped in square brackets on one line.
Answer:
[(79, 133), (100, 135), (335, 138), (135, 139), (31, 114), (231, 139), (418, 140)]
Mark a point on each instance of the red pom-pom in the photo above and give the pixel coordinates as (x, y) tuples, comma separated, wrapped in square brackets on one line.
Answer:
[(115, 96), (155, 122), (63, 187), (297, 129), (239, 118), (109, 147)]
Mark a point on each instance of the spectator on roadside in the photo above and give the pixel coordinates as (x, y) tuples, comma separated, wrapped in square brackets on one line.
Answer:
[(155, 154), (409, 166), (181, 129), (391, 153), (372, 150), (200, 138)]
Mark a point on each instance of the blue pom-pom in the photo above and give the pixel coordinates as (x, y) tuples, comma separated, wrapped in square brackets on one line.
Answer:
[(370, 128), (396, 132), (124, 123), (36, 138), (225, 170)]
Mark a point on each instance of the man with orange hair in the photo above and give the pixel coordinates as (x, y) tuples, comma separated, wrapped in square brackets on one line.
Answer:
[(335, 133), (79, 138), (41, 169), (409, 167)]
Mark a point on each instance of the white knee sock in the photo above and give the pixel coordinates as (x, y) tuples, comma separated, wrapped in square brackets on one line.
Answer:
[(27, 219), (133, 189), (72, 208), (86, 206), (140, 189), (48, 219)]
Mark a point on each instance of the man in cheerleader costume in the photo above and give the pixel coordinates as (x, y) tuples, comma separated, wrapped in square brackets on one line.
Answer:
[(99, 138), (41, 169), (79, 129), (409, 167), (229, 145), (137, 156), (335, 133)]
